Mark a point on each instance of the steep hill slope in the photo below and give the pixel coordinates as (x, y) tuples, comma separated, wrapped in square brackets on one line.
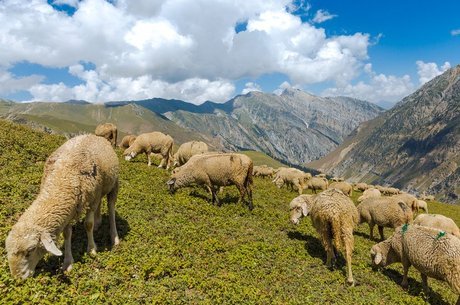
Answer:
[(78, 117), (296, 126), (180, 249), (415, 145)]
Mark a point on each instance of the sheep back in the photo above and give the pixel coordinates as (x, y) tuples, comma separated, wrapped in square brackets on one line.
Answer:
[(188, 149), (345, 187), (385, 212), (438, 221)]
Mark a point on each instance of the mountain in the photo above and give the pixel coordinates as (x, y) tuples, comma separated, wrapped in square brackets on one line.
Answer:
[(79, 117), (415, 145), (296, 127)]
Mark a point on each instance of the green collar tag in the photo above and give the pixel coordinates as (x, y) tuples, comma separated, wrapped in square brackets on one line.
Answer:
[(440, 234)]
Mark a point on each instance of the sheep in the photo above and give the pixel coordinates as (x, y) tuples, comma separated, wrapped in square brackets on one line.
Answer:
[(361, 186), (187, 150), (76, 177), (263, 171), (345, 187), (321, 175), (334, 217), (390, 191), (427, 197), (127, 141), (153, 142), (421, 204), (383, 212), (108, 131), (434, 253), (369, 193), (293, 178), (316, 183), (213, 170), (409, 199), (438, 221), (338, 179)]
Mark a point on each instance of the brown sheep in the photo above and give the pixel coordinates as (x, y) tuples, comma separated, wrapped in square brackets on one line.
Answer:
[(108, 131), (187, 150), (343, 186), (127, 141), (153, 142)]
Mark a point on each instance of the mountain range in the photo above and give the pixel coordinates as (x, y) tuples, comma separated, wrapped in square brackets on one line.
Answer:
[(414, 146)]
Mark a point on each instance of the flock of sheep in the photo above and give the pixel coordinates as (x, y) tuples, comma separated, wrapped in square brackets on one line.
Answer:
[(86, 168)]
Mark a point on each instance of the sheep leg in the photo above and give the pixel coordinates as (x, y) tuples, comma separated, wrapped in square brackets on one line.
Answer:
[(242, 191), (111, 199), (149, 160), (406, 265), (371, 230), (382, 237), (348, 252), (329, 247), (163, 161), (89, 226), (214, 196), (97, 217), (299, 188), (249, 192), (68, 258), (425, 283)]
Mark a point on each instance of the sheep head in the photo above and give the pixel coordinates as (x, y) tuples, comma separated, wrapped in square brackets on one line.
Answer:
[(387, 252), (25, 247), (299, 208), (172, 185)]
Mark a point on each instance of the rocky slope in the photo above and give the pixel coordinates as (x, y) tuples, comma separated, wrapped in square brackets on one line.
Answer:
[(415, 145)]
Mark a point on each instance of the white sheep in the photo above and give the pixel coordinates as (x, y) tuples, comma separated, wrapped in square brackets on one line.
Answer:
[(76, 177), (434, 253), (293, 178), (361, 186), (317, 183), (438, 221), (263, 171), (421, 204), (108, 131), (334, 217), (127, 141), (153, 142), (212, 170), (383, 212), (187, 150), (345, 187), (369, 193), (409, 199)]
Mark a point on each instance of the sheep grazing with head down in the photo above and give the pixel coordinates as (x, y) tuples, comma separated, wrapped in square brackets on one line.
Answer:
[(127, 141), (438, 221), (293, 178), (153, 142), (422, 205), (187, 150), (334, 217), (76, 177), (369, 193), (409, 199), (361, 186), (317, 183), (108, 131), (434, 253), (384, 212), (213, 170), (343, 186), (263, 171)]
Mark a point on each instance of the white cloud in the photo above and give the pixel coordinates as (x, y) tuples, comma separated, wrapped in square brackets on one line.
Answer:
[(11, 84), (455, 32), (322, 15), (72, 3), (249, 87), (428, 71), (378, 88), (173, 43)]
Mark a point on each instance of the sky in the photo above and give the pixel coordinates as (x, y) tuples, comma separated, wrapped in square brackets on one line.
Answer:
[(199, 50)]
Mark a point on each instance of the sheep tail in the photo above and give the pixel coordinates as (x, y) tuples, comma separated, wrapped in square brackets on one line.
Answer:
[(341, 233)]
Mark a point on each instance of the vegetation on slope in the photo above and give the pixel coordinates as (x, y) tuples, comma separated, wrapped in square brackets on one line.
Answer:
[(180, 249)]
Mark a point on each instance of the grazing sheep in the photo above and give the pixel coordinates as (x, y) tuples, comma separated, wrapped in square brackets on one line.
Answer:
[(213, 170), (320, 175), (383, 212), (187, 150), (438, 221), (427, 197), (345, 187), (361, 186), (76, 177), (390, 191), (127, 141), (369, 193), (293, 178), (421, 204), (338, 179), (316, 183), (434, 253), (408, 199), (263, 171), (334, 217), (153, 142), (108, 131)]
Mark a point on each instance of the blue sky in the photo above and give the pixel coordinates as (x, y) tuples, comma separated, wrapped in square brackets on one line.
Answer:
[(198, 50)]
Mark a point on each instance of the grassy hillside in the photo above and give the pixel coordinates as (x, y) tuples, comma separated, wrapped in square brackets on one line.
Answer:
[(180, 249)]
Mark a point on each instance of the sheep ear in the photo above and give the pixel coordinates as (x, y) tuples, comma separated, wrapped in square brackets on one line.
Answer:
[(304, 209), (378, 258), (49, 244), (171, 181)]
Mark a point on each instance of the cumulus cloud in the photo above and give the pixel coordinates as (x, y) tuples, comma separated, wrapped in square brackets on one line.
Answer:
[(428, 71), (378, 88), (11, 84), (249, 87), (455, 32), (322, 15), (175, 45)]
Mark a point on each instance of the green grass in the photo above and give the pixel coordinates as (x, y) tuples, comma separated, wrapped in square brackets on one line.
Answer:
[(180, 249), (260, 158)]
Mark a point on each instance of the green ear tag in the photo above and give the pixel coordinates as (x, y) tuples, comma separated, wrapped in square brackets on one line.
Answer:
[(440, 234), (404, 228)]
